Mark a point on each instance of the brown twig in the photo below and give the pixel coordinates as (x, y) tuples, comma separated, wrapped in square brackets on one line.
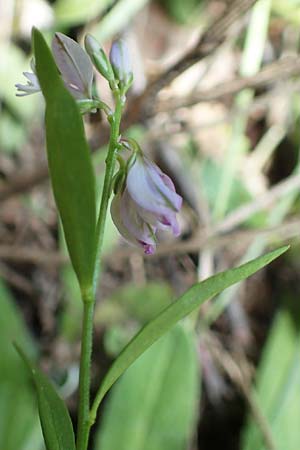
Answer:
[(206, 45), (16, 280), (25, 254), (241, 214), (239, 372), (284, 68), (23, 181), (285, 231)]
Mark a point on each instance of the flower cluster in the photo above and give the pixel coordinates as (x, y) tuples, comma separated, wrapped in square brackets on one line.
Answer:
[(146, 202), (76, 68)]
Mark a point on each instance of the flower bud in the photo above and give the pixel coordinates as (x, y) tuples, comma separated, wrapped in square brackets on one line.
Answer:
[(98, 57), (120, 61)]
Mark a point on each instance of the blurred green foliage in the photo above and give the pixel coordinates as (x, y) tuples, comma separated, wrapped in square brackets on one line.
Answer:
[(154, 405), (277, 383), (75, 12), (182, 11), (19, 423)]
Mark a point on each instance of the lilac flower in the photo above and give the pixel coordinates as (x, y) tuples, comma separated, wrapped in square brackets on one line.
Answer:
[(147, 203), (74, 65), (120, 60), (32, 85)]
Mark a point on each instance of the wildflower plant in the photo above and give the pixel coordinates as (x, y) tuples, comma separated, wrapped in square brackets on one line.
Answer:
[(144, 202)]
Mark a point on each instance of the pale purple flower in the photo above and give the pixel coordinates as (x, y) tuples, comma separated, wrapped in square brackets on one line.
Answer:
[(32, 85), (74, 65), (120, 60), (147, 203)]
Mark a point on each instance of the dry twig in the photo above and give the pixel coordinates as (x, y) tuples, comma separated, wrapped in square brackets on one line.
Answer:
[(284, 68), (239, 372), (207, 44)]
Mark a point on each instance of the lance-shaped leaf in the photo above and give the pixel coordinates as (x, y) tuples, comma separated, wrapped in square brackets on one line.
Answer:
[(183, 306), (55, 420), (70, 164), (74, 64)]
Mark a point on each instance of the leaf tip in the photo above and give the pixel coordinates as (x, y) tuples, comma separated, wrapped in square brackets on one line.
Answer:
[(283, 249)]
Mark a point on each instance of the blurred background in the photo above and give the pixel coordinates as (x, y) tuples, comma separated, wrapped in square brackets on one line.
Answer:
[(216, 103)]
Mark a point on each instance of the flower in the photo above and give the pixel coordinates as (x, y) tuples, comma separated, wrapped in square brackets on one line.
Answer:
[(147, 203), (74, 65), (32, 85)]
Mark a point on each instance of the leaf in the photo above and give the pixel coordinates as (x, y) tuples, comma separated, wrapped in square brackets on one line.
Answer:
[(19, 422), (70, 164), (72, 12), (70, 316), (55, 419), (182, 12), (183, 306), (116, 19), (277, 387), (166, 378), (211, 175), (12, 133), (74, 64), (123, 314)]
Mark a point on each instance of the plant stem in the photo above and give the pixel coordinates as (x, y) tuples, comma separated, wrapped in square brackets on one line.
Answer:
[(84, 374), (109, 172), (84, 423)]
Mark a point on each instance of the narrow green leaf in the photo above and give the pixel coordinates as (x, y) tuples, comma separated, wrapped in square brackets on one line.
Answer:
[(166, 378), (189, 301), (70, 164), (277, 384), (55, 420)]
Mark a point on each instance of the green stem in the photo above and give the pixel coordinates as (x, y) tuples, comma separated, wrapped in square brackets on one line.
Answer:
[(85, 366), (84, 423), (109, 172)]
